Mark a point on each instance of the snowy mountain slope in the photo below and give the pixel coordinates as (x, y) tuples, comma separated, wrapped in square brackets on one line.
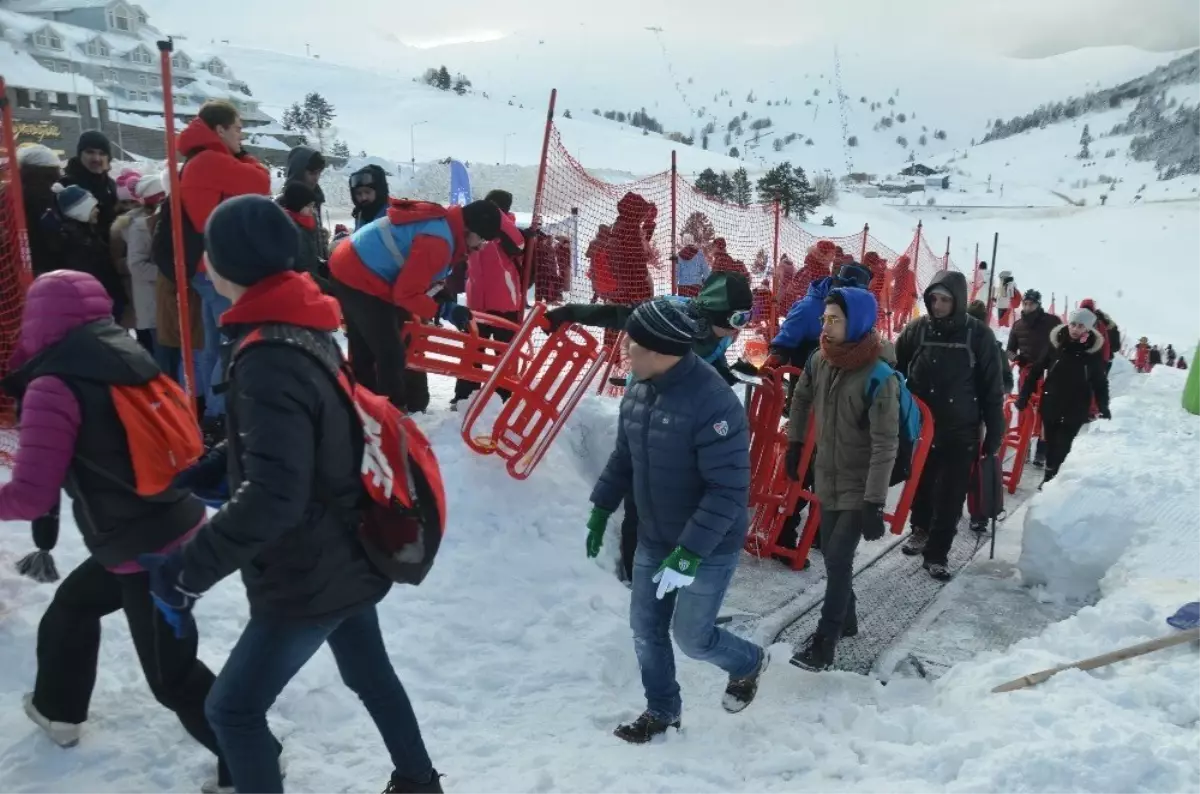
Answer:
[(516, 652)]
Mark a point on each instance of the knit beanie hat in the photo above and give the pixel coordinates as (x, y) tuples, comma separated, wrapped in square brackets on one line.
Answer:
[(853, 274), (37, 155), (483, 218), (722, 294), (249, 238), (93, 139), (126, 181), (501, 198), (661, 326), (941, 289), (1032, 295), (1084, 317), (150, 190), (297, 196), (74, 202)]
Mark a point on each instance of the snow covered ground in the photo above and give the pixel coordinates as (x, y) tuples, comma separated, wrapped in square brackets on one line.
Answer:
[(517, 654)]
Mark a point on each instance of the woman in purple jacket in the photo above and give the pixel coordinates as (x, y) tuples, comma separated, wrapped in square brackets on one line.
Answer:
[(68, 355)]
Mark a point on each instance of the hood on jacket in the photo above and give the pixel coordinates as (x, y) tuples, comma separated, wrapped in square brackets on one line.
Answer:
[(957, 284), (298, 161), (197, 136), (291, 298), (379, 184), (633, 207), (1061, 336), (723, 293), (861, 311), (56, 304)]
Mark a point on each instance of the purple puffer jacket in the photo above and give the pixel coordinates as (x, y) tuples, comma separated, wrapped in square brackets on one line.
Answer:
[(57, 303)]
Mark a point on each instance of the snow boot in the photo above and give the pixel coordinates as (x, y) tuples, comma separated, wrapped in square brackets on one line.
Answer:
[(402, 785), (64, 734), (979, 525), (916, 542), (644, 729), (938, 570), (817, 655), (740, 692), (1039, 454)]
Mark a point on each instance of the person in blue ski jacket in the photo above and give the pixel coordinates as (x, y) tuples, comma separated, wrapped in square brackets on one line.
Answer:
[(800, 333)]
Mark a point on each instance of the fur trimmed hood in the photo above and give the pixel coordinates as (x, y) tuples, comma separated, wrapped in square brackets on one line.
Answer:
[(1060, 336)]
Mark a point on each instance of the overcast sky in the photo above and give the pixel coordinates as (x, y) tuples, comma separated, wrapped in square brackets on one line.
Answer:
[(1020, 27)]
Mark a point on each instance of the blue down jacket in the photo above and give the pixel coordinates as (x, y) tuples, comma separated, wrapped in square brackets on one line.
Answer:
[(683, 450)]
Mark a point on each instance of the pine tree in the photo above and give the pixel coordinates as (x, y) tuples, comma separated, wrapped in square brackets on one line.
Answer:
[(340, 149), (789, 186), (733, 152), (443, 78), (709, 183), (807, 199), (743, 193), (318, 117), (700, 228), (1085, 140), (725, 191)]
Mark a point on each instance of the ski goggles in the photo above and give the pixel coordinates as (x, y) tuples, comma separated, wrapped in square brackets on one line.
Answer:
[(739, 319), (362, 179)]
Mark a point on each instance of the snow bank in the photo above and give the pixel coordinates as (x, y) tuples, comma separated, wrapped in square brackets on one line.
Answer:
[(1126, 497)]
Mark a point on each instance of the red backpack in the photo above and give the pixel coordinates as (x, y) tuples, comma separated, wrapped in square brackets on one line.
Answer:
[(403, 518), (161, 431), (411, 211)]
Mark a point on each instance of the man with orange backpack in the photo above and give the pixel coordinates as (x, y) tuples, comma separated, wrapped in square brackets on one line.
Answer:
[(393, 270), (295, 524), (99, 419)]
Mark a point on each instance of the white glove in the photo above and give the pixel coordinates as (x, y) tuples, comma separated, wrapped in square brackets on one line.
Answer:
[(669, 579)]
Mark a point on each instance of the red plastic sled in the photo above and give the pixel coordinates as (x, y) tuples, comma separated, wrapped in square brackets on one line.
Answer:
[(545, 391), (445, 351), (1016, 439)]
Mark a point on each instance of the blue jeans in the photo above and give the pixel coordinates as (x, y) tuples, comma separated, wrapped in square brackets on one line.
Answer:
[(208, 370), (695, 614), (269, 653)]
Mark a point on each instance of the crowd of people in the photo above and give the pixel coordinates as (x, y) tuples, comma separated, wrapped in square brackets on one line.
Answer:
[(283, 452)]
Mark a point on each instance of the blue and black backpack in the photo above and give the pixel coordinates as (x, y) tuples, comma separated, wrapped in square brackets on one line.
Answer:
[(910, 418)]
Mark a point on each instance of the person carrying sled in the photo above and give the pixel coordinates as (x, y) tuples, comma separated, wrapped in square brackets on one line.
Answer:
[(1074, 369), (1009, 300), (952, 364), (393, 270), (293, 463), (79, 378), (853, 460), (1028, 343), (683, 454)]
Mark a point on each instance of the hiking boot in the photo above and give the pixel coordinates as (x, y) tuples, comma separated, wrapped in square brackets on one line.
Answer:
[(64, 734), (817, 655), (740, 692), (979, 525), (938, 570), (916, 542), (644, 728), (1039, 454), (402, 785)]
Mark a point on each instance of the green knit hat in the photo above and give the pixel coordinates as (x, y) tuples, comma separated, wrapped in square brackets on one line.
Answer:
[(722, 294)]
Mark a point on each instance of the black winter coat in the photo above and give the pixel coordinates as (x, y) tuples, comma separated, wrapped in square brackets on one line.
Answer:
[(954, 366), (1074, 374), (1030, 337), (293, 456), (85, 248), (116, 523)]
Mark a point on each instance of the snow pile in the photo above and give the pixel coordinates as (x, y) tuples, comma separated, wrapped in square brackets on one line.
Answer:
[(1126, 496)]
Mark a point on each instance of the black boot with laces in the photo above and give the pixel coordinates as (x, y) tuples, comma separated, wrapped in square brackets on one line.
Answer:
[(817, 655), (644, 729), (402, 785)]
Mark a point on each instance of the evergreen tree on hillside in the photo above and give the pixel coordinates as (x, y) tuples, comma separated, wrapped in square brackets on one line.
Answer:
[(743, 193), (340, 149), (726, 191), (709, 183), (313, 119), (1085, 140), (789, 186), (443, 78), (700, 228)]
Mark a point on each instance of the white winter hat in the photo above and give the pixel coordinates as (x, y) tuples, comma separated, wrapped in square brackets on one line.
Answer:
[(74, 202), (36, 154), (150, 189), (1084, 317)]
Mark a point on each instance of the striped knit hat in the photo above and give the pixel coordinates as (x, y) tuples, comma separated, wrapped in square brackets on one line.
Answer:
[(662, 326)]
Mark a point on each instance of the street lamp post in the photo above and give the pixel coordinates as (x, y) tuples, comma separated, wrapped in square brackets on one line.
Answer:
[(412, 144), (507, 135)]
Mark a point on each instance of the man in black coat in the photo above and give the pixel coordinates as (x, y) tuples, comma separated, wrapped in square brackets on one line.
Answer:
[(89, 169), (1075, 375), (293, 462), (952, 364), (1028, 344)]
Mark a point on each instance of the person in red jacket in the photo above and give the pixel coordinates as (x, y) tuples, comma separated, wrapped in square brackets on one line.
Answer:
[(216, 168), (604, 284), (393, 270), (722, 262), (629, 250), (879, 283), (904, 292)]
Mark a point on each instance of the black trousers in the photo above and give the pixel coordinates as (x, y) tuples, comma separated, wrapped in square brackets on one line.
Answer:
[(940, 496), (465, 388), (1060, 435), (69, 644), (841, 530), (377, 350), (629, 526)]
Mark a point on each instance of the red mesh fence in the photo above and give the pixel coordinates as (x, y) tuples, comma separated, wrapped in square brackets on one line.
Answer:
[(15, 272), (614, 243)]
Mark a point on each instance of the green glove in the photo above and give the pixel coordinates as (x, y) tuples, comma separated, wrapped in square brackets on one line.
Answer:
[(597, 522), (677, 570)]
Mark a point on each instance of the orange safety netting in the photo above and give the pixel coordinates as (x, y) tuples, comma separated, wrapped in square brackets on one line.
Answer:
[(15, 272)]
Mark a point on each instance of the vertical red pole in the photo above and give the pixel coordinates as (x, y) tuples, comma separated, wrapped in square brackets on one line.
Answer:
[(531, 246), (674, 219), (946, 256), (862, 253), (14, 189), (775, 270), (181, 280)]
